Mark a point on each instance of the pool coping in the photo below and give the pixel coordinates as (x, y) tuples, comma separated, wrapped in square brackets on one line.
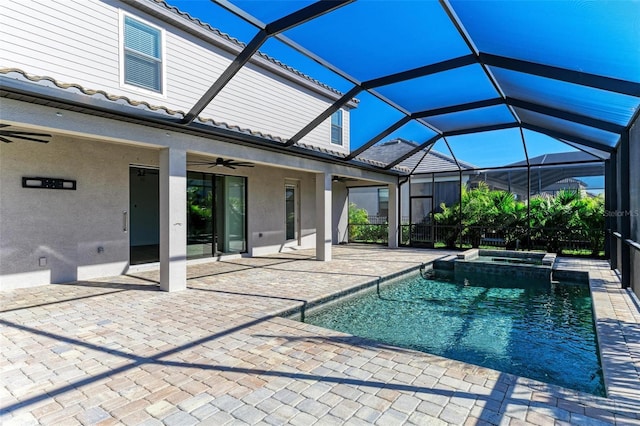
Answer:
[(615, 355), (613, 350), (297, 313)]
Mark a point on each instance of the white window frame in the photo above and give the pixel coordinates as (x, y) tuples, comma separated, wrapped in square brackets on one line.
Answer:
[(163, 57), (341, 143)]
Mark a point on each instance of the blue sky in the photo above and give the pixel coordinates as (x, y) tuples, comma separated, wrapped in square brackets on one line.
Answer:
[(487, 149)]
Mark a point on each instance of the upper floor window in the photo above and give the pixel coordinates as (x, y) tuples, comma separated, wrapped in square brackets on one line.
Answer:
[(336, 127), (142, 55)]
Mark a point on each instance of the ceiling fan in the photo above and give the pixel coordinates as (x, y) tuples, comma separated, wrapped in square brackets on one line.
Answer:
[(27, 136), (221, 162)]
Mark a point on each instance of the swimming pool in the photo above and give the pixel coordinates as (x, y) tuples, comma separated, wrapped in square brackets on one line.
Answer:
[(543, 331)]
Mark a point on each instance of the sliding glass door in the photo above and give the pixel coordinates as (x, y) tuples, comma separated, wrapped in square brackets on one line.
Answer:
[(216, 214)]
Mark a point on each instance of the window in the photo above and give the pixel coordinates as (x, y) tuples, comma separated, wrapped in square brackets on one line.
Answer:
[(142, 55), (291, 212), (383, 202), (336, 127)]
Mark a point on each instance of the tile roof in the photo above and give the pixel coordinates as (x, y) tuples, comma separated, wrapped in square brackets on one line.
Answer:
[(434, 161), (47, 81)]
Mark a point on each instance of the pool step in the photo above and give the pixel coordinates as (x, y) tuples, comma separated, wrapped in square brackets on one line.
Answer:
[(447, 263), (570, 275)]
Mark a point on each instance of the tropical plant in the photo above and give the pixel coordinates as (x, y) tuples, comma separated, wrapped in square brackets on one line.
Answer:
[(552, 216), (589, 219), (553, 220), (448, 224), (357, 218)]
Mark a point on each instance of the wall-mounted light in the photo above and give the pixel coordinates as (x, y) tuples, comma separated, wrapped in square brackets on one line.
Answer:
[(48, 183), (58, 114)]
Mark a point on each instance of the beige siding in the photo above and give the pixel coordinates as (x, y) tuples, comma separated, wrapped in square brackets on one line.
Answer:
[(77, 41)]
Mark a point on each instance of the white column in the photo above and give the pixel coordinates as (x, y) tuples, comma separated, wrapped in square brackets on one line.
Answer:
[(392, 216), (323, 217), (173, 219)]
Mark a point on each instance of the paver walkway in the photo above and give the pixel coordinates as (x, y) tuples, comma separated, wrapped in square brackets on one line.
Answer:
[(118, 351)]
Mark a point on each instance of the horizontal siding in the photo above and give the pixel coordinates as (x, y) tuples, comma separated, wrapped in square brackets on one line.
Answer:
[(76, 41), (192, 66), (56, 39), (272, 104)]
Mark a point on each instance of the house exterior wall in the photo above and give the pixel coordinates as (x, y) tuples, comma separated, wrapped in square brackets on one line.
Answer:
[(87, 52), (81, 233), (64, 227), (68, 227), (340, 218)]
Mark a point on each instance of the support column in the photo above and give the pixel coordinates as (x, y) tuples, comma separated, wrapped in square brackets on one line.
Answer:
[(392, 215), (609, 193), (625, 207), (173, 219), (323, 217)]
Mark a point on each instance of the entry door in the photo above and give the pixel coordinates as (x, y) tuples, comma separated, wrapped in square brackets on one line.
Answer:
[(143, 221)]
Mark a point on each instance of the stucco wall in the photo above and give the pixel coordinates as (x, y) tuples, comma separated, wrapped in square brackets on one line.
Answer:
[(68, 227), (266, 209), (64, 227), (340, 218)]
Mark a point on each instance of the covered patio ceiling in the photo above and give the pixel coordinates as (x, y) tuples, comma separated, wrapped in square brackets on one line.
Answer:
[(429, 71)]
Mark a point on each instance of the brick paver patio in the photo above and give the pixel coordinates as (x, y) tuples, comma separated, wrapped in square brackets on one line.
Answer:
[(119, 351)]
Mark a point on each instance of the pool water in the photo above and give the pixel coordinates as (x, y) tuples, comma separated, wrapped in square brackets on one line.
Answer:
[(543, 331)]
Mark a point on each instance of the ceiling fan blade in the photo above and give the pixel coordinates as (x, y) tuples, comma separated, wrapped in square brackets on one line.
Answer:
[(5, 140), (230, 166), (14, 132), (198, 163), (27, 138)]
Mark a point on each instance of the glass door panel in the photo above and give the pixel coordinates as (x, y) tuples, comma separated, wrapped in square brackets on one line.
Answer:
[(216, 215), (199, 215), (234, 214), (290, 212)]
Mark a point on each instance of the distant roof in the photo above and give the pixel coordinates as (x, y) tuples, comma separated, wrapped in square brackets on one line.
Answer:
[(559, 158), (434, 161), (549, 169)]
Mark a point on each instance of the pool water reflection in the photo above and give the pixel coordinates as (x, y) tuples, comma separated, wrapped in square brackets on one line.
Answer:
[(539, 330)]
